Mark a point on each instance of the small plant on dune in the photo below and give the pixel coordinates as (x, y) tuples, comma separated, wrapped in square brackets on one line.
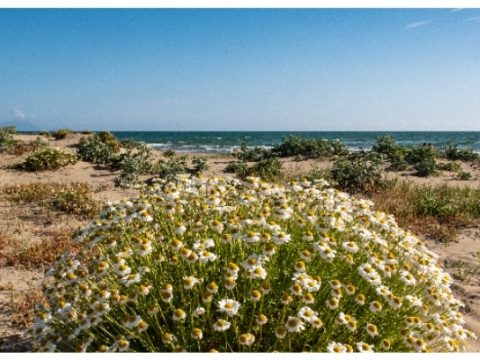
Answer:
[(137, 161), (61, 134), (269, 168), (48, 159), (245, 154), (102, 148), (218, 264), (357, 174), (464, 175), (23, 147), (453, 152), (426, 167), (309, 148), (449, 166), (423, 159), (199, 165), (7, 142)]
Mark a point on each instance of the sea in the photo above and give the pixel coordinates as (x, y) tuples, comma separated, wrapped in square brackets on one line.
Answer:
[(226, 141)]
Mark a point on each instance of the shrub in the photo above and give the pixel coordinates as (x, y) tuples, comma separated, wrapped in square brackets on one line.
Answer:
[(48, 159), (426, 167), (309, 148), (199, 165), (22, 147), (61, 134), (449, 166), (7, 142), (243, 153), (134, 162), (385, 145), (239, 168), (356, 174), (98, 149), (464, 175), (214, 264), (453, 152), (268, 169)]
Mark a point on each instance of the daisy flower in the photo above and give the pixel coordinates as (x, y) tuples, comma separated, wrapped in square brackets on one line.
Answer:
[(229, 306)]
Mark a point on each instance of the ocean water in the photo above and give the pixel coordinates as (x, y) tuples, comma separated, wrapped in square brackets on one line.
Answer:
[(225, 141)]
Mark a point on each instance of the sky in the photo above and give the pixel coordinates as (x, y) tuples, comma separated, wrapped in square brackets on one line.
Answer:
[(241, 69)]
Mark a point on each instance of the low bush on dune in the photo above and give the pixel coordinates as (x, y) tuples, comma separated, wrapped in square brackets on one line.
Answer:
[(245, 154), (102, 148), (269, 168), (357, 173), (453, 152), (48, 159), (7, 142), (61, 134), (227, 265), (309, 148), (137, 161)]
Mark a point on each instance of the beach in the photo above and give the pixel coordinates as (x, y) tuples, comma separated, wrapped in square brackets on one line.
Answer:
[(22, 226)]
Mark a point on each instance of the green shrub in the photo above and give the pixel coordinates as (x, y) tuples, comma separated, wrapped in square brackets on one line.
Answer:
[(385, 145), (464, 175), (239, 168), (243, 153), (356, 174), (98, 149), (453, 152), (225, 265), (61, 134), (199, 165), (7, 142), (110, 140), (268, 169), (426, 167), (48, 159), (449, 166), (316, 174), (309, 148)]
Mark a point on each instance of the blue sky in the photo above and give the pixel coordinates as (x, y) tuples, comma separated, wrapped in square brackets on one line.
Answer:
[(304, 69)]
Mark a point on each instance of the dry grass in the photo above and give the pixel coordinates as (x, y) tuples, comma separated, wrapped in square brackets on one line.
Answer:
[(73, 198), (36, 256), (437, 212), (21, 305)]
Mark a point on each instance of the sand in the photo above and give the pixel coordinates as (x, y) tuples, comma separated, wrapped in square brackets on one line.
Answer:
[(27, 225)]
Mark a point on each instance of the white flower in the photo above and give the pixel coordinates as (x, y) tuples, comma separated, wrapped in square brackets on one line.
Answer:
[(229, 306), (294, 324), (189, 282), (336, 347), (221, 325), (351, 247), (364, 347), (307, 314)]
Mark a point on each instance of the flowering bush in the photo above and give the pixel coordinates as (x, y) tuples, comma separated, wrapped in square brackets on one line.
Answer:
[(227, 265)]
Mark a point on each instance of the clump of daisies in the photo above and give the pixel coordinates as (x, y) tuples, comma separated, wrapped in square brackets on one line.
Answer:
[(214, 264)]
